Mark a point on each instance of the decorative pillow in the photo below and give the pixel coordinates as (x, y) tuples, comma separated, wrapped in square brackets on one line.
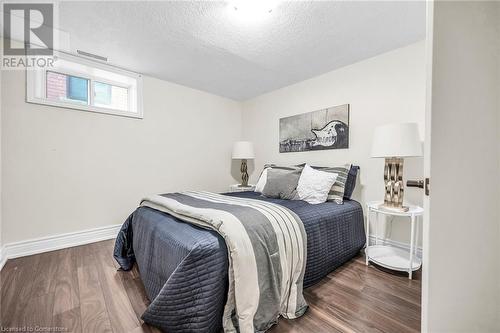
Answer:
[(351, 181), (314, 185), (281, 183), (337, 191), (259, 187)]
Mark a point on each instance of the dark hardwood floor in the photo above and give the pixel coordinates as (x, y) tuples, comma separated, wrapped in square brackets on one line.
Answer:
[(80, 290)]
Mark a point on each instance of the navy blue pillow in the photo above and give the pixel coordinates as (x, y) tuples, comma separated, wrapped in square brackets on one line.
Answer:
[(351, 181)]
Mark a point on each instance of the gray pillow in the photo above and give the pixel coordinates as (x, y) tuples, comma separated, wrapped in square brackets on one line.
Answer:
[(281, 184)]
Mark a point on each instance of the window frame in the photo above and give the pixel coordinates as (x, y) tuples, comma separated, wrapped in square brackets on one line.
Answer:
[(31, 87)]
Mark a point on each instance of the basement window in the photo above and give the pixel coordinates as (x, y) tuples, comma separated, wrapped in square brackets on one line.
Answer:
[(66, 88), (81, 84)]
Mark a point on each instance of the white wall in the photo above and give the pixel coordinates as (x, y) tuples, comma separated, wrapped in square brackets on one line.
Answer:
[(387, 88), (461, 281), (65, 170), (62, 163)]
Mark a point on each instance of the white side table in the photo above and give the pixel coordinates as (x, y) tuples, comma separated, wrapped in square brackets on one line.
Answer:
[(238, 188), (389, 256)]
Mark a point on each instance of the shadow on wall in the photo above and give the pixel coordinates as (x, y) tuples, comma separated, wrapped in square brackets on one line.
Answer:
[(358, 189)]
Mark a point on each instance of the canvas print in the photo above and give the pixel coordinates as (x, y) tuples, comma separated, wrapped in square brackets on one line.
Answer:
[(317, 130)]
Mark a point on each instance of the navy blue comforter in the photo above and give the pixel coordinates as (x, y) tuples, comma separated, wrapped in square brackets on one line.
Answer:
[(184, 268)]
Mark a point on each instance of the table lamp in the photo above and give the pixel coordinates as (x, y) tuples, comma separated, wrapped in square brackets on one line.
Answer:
[(243, 150), (394, 142)]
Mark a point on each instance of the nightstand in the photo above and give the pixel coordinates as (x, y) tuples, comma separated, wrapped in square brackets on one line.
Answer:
[(389, 256), (238, 188)]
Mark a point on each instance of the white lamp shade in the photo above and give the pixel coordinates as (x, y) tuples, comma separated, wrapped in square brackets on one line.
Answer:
[(396, 140), (243, 150)]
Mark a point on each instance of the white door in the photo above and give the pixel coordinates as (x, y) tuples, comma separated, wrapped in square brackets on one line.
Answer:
[(461, 289)]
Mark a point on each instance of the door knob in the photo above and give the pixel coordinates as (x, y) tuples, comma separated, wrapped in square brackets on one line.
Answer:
[(415, 183), (420, 184)]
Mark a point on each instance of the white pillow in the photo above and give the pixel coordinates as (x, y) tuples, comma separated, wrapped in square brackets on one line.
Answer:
[(259, 187), (314, 185)]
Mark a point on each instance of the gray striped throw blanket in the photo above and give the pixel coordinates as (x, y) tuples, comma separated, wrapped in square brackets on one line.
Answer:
[(267, 254)]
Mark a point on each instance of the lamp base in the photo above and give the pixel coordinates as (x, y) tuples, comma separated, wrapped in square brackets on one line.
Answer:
[(394, 186), (244, 174), (402, 209)]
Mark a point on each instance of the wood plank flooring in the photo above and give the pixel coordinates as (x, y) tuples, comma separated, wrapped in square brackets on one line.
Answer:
[(80, 290)]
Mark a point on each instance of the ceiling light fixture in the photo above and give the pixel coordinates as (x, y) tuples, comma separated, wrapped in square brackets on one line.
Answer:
[(249, 11)]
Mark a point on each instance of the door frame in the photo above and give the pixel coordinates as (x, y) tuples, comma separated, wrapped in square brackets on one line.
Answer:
[(429, 43)]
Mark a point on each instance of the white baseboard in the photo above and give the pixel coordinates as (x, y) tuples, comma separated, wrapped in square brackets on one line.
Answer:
[(61, 241), (400, 245), (3, 258), (57, 242)]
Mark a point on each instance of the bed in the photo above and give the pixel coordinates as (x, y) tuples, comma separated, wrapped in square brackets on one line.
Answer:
[(184, 268)]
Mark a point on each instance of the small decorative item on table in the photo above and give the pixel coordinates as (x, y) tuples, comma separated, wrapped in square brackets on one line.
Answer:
[(239, 188), (389, 256)]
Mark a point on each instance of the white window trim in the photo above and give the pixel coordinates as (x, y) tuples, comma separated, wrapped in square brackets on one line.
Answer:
[(31, 82)]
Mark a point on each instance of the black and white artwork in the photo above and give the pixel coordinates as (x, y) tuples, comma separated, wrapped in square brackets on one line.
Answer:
[(317, 130)]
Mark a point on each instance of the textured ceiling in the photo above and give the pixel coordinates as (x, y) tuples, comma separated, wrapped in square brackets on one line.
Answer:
[(205, 46)]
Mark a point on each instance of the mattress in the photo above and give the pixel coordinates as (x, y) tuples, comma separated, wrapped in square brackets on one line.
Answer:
[(184, 267)]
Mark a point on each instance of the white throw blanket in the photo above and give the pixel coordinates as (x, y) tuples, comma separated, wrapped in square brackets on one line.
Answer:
[(267, 246)]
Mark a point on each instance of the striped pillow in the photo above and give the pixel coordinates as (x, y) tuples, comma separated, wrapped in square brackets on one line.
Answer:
[(337, 191), (290, 168)]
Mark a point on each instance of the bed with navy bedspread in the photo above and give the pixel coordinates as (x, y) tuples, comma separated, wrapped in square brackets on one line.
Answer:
[(184, 267)]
